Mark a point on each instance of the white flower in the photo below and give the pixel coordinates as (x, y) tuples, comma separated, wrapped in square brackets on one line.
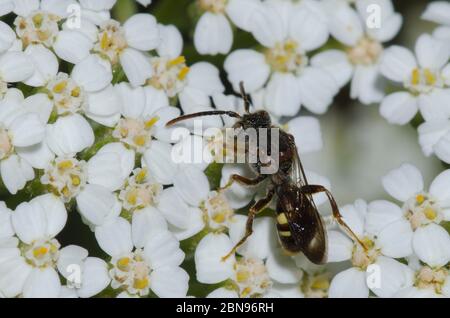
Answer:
[(284, 29), (213, 34), (38, 23), (87, 90), (439, 12), (424, 78), (424, 210), (96, 11), (190, 205), (430, 282), (142, 261), (171, 44), (21, 142), (92, 183), (385, 239), (127, 45), (360, 61), (434, 137), (15, 67), (261, 271), (145, 111), (6, 6), (32, 258), (248, 276), (8, 37)]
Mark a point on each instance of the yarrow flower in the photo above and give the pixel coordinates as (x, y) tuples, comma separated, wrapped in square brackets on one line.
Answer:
[(425, 211), (424, 78), (21, 142), (284, 65), (213, 33), (84, 101), (142, 261), (439, 12), (385, 239), (363, 46), (32, 257)]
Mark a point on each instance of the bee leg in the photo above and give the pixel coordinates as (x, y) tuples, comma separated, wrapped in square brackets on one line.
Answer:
[(254, 210), (313, 189), (245, 97), (243, 180)]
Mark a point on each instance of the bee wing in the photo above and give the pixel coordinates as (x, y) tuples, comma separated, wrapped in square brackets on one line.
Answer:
[(305, 221), (297, 172), (307, 233)]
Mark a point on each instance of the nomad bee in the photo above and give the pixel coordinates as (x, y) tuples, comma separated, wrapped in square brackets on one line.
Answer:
[(300, 227)]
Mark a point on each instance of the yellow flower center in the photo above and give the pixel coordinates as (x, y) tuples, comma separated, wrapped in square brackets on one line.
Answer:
[(169, 74), (424, 80), (366, 52), (286, 57), (214, 6), (65, 177)]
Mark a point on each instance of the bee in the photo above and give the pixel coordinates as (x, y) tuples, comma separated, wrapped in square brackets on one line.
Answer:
[(299, 225)]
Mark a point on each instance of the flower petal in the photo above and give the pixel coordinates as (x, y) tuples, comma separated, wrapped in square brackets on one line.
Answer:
[(136, 66), (367, 85), (431, 133), (395, 239), (93, 73), (350, 283), (431, 244), (45, 65), (392, 277), (213, 34), (267, 26), (380, 214), (141, 32), (208, 259), (340, 247), (97, 204), (15, 173), (15, 67), (317, 98), (42, 283), (307, 133), (432, 53), (192, 185), (169, 282), (399, 108), (163, 250), (247, 66), (308, 28), (72, 46), (95, 277), (403, 182), (115, 237), (174, 209), (336, 63), (69, 135), (397, 63), (145, 223), (283, 98), (27, 130), (171, 44), (158, 159)]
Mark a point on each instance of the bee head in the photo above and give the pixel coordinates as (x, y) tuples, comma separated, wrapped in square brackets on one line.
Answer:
[(259, 119)]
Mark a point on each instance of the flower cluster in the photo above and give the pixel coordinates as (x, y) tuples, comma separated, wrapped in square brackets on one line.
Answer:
[(84, 102)]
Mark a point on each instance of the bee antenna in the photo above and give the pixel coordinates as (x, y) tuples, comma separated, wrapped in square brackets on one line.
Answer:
[(245, 97), (202, 114)]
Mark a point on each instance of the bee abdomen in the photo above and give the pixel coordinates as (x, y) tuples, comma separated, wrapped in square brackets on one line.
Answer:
[(285, 234), (282, 225)]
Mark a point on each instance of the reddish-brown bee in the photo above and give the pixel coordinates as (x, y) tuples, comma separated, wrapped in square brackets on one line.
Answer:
[(300, 227)]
